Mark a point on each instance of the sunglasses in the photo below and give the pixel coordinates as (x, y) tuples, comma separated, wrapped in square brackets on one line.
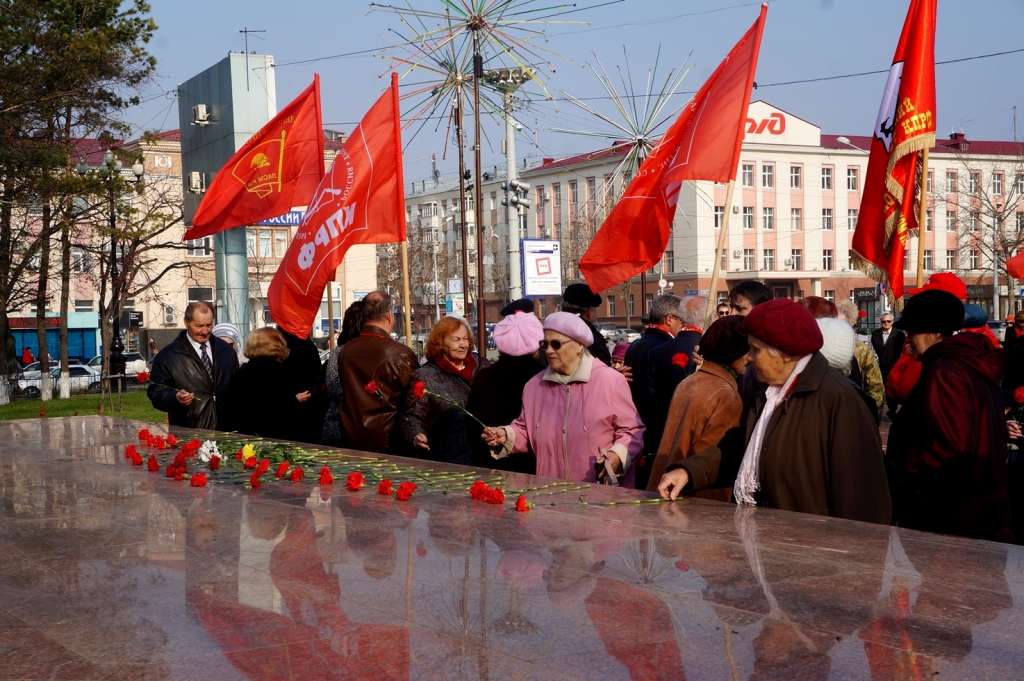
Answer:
[(723, 313), (556, 345), (887, 321)]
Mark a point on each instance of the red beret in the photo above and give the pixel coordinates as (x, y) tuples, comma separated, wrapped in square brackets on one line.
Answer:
[(784, 325)]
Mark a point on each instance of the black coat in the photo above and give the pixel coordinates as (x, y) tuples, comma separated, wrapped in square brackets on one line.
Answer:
[(306, 372), (178, 367), (667, 366), (496, 398), (889, 351), (637, 356), (1013, 370), (599, 348), (261, 400)]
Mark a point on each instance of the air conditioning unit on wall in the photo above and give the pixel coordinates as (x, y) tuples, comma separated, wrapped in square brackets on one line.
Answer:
[(200, 115), (169, 317)]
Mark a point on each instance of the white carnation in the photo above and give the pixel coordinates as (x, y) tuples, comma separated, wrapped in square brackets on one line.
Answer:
[(208, 450)]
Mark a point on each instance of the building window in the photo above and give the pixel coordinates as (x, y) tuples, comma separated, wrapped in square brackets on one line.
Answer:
[(719, 216), (767, 176), (83, 305), (830, 295), (851, 218), (591, 196), (975, 182), (428, 210), (975, 221), (928, 221), (199, 248), (795, 181), (81, 260), (725, 259), (950, 220), (281, 239), (543, 307), (574, 199), (200, 293), (556, 213), (670, 262), (997, 184), (1020, 222), (769, 259), (826, 178), (611, 306), (797, 254), (826, 260), (927, 259), (951, 259), (748, 217), (768, 218), (1019, 185), (975, 260), (826, 219), (632, 307), (748, 175), (265, 249), (748, 259), (648, 303), (795, 218), (931, 176), (906, 260), (852, 180), (951, 182)]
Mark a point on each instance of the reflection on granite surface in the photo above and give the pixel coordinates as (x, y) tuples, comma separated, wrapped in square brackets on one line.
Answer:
[(107, 571)]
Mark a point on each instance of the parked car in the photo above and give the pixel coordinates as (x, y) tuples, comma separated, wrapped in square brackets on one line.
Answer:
[(628, 335), (135, 363), (83, 378), (32, 370), (999, 329), (610, 332)]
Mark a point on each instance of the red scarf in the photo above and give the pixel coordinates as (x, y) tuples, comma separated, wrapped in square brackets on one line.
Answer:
[(465, 373), (661, 328), (694, 329)]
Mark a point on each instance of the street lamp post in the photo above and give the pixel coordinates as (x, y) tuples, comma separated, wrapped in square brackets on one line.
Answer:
[(111, 169), (996, 224)]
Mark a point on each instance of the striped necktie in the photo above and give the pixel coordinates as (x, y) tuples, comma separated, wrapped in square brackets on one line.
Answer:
[(206, 360)]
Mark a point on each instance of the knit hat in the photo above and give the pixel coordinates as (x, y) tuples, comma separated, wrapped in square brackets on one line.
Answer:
[(943, 281), (974, 316), (838, 341), (518, 334), (581, 295), (231, 332), (933, 311), (725, 341), (784, 325), (521, 305), (569, 325), (619, 352)]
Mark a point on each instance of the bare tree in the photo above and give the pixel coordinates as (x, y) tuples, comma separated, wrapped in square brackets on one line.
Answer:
[(424, 245)]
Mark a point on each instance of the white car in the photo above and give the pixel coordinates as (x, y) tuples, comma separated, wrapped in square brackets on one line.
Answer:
[(134, 363), (628, 335), (32, 370), (83, 379)]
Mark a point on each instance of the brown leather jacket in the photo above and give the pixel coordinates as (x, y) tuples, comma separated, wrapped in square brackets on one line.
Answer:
[(368, 417)]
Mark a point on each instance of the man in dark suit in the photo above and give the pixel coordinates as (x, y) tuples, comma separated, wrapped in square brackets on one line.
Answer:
[(888, 344)]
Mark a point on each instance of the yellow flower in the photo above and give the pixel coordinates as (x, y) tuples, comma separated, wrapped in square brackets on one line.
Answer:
[(248, 451)]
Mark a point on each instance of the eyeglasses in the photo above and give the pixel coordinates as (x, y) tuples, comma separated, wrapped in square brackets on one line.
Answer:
[(723, 313), (887, 321), (556, 345)]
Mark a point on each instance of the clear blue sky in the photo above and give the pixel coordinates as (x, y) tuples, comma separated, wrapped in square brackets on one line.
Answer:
[(802, 39)]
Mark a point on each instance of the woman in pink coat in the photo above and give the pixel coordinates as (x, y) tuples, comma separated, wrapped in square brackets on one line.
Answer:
[(577, 413)]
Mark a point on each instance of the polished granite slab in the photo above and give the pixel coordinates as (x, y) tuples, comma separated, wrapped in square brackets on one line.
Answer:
[(108, 571)]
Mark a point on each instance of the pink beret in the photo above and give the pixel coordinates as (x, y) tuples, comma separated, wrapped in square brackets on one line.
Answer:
[(570, 325), (518, 334), (784, 325)]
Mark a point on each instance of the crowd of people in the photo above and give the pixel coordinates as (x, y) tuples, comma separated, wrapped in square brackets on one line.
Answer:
[(774, 403)]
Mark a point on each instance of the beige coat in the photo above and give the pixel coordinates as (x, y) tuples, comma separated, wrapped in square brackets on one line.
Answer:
[(704, 406)]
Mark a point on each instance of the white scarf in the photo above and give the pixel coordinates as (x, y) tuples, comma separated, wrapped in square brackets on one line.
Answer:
[(747, 481)]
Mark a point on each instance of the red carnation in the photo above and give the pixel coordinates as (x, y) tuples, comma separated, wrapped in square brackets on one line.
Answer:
[(263, 466), (325, 476), (130, 451), (522, 505), (179, 459), (142, 377), (144, 434), (282, 470), (179, 475), (355, 482), (371, 387), (496, 496), (136, 459), (417, 390), (1018, 395), (680, 359), (479, 490), (198, 480), (214, 462), (254, 481), (384, 487), (172, 440), (405, 491), (238, 455), (152, 463), (297, 474), (249, 463)]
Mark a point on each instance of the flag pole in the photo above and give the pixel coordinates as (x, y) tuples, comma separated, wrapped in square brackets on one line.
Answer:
[(922, 219), (722, 237), (400, 198)]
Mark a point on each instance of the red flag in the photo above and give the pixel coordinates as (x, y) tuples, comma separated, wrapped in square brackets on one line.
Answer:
[(360, 201), (1015, 266), (905, 127), (279, 167), (703, 144)]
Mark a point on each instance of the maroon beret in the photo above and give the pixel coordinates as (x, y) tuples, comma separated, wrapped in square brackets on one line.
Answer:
[(784, 325)]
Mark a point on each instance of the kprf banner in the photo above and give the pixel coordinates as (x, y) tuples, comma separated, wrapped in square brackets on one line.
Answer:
[(359, 201), (279, 167)]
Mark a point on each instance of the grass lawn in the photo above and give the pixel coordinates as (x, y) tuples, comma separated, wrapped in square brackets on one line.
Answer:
[(136, 406)]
